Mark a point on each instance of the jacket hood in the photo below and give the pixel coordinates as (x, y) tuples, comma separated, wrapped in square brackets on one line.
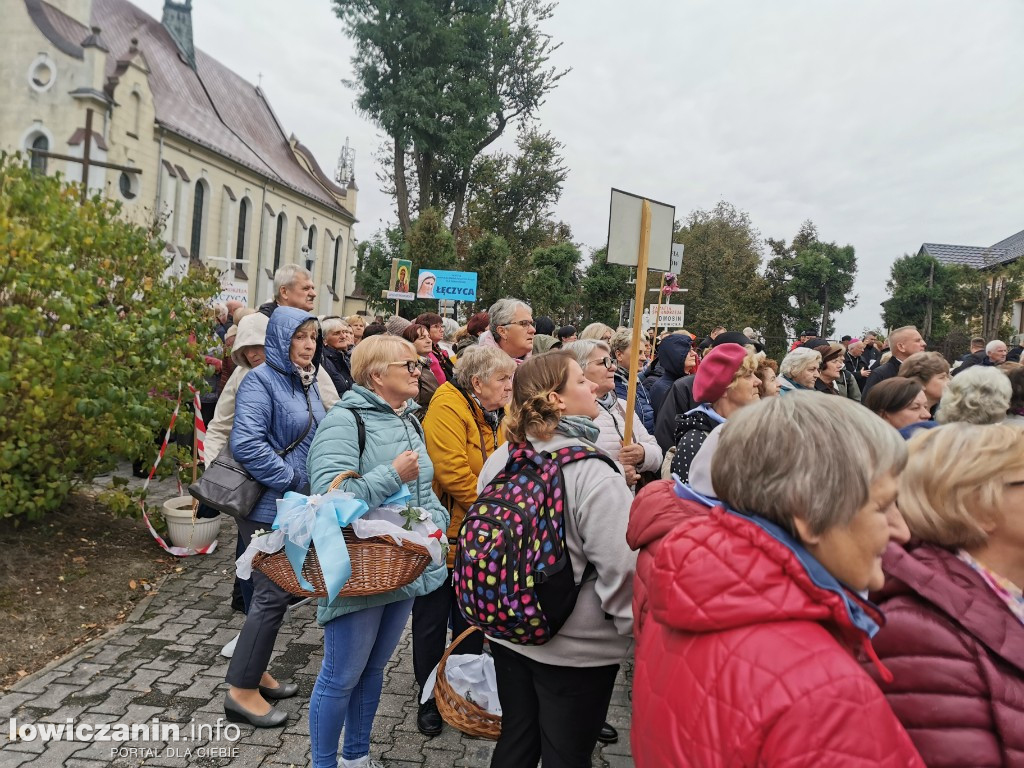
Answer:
[(724, 570), (656, 511), (672, 353), (280, 330), (543, 343), (252, 331)]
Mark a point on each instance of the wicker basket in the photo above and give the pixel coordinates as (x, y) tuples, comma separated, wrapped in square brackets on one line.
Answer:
[(378, 564), (456, 711)]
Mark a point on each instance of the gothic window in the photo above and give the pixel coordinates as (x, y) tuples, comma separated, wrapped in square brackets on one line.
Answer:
[(42, 144), (198, 208), (136, 115), (311, 246), (279, 242), (337, 260), (241, 244)]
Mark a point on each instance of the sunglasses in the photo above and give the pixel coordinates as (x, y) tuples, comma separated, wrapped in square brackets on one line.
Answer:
[(523, 323), (607, 362), (410, 365)]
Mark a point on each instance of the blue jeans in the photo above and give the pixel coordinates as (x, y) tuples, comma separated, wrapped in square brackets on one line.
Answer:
[(347, 690)]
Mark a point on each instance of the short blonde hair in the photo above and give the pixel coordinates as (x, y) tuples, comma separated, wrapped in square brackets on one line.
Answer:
[(596, 331), (954, 480), (798, 361), (372, 356), (352, 319), (621, 340), (979, 395), (763, 461), (482, 362)]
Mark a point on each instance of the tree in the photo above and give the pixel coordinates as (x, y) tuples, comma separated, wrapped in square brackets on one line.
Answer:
[(720, 269), (923, 292), (606, 288), (443, 80), (373, 266), (553, 285), (95, 338), (488, 257)]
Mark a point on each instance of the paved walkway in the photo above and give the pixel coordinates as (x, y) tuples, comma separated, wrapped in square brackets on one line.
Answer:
[(164, 663)]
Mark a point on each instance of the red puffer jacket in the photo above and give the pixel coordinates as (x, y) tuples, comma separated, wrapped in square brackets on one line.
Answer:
[(957, 655), (746, 658)]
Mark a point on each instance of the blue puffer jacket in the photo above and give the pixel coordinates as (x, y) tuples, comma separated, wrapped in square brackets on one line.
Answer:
[(271, 410), (336, 449)]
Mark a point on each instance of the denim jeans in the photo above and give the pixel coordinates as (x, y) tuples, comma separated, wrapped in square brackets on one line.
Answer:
[(347, 690)]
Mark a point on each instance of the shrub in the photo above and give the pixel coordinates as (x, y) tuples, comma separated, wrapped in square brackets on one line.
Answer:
[(95, 337)]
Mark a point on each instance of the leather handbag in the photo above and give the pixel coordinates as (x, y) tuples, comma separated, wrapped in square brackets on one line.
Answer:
[(228, 487)]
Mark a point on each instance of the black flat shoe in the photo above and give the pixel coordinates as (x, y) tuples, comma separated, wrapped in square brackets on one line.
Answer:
[(607, 734), (283, 691), (275, 718), (429, 721)]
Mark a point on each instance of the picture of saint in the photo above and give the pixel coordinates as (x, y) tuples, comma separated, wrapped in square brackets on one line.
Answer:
[(402, 284), (426, 286)]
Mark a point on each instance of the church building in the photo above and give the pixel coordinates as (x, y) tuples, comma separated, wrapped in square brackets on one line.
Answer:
[(100, 88)]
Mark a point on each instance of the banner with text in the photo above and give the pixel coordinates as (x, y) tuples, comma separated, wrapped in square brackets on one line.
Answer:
[(671, 316), (445, 285)]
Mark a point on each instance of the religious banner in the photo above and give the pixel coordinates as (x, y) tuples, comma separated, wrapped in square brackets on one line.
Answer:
[(445, 285), (401, 275)]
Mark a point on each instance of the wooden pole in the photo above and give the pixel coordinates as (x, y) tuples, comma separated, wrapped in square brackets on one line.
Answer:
[(657, 312), (641, 294)]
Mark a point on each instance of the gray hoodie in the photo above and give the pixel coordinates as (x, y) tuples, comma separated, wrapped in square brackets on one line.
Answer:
[(595, 531)]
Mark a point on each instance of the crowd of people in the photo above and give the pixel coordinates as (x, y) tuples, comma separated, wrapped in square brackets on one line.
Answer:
[(813, 561)]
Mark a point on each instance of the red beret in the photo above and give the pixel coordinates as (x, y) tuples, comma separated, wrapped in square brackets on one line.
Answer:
[(716, 372)]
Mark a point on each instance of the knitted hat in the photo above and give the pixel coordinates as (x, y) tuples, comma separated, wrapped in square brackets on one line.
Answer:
[(396, 325), (716, 372)]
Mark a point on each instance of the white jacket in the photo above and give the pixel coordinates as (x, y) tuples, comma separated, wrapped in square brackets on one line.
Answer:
[(611, 422)]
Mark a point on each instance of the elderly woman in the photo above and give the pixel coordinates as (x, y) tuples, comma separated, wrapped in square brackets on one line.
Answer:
[(931, 371), (899, 401), (725, 382), (979, 395), (440, 361), (621, 346), (361, 633), (358, 324), (763, 589), (768, 374), (597, 332), (337, 342), (511, 328), (643, 454), (419, 337), (277, 410), (799, 370), (462, 428), (954, 637), (833, 378), (554, 696)]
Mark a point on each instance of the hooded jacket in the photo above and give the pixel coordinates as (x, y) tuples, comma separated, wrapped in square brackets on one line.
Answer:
[(336, 363), (336, 450), (459, 440), (957, 657), (672, 354), (251, 332), (691, 430), (680, 400), (746, 655), (642, 406), (272, 410)]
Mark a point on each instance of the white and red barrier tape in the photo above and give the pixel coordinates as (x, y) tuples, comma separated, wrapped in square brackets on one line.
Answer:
[(200, 426), (170, 549)]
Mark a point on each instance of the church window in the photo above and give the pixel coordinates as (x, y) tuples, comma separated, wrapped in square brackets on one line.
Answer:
[(42, 144), (279, 242), (127, 186), (42, 73), (311, 249), (241, 244), (337, 260), (136, 115), (198, 209)]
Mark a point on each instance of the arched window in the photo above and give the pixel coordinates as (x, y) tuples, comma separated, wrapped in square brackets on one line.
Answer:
[(337, 260), (240, 240), (136, 114), (198, 208), (42, 144), (279, 242), (311, 245)]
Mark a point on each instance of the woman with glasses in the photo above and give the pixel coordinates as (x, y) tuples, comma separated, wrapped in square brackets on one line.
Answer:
[(954, 632), (512, 329), (643, 454), (360, 634), (440, 363), (419, 336)]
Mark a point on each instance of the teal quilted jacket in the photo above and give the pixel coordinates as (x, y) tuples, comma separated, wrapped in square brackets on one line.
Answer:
[(335, 449)]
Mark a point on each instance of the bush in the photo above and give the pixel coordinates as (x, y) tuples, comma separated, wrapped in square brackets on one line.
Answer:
[(94, 338)]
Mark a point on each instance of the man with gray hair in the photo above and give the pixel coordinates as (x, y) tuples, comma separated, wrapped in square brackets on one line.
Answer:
[(994, 353), (293, 287), (903, 342)]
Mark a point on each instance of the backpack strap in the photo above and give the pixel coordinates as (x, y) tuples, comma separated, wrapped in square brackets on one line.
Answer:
[(573, 453)]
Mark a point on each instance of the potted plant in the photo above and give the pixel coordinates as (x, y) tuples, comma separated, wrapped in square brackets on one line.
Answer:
[(184, 529)]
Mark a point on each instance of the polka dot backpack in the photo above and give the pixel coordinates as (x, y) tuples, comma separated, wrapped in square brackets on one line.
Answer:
[(513, 575)]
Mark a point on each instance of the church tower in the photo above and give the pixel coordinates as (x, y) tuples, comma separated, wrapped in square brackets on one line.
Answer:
[(177, 20)]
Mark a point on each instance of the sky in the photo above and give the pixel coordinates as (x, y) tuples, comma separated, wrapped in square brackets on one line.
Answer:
[(888, 124)]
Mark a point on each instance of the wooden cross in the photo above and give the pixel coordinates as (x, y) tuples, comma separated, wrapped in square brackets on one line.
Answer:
[(86, 160)]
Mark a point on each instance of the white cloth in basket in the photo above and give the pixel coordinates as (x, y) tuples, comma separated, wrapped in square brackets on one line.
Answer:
[(472, 677)]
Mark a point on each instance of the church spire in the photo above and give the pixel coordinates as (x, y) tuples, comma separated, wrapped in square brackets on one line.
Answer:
[(177, 20)]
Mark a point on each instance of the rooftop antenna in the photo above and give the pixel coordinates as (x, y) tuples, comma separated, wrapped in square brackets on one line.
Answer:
[(346, 164)]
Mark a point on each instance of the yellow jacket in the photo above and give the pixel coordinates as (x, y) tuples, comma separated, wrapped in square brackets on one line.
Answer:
[(459, 440)]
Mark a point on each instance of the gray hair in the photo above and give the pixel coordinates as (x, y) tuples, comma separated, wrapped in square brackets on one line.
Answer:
[(581, 349), (332, 324), (847, 445), (483, 363), (979, 395), (798, 361), (621, 340), (993, 345), (503, 310), (451, 327), (287, 275)]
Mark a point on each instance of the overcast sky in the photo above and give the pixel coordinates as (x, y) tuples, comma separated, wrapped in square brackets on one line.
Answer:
[(887, 123)]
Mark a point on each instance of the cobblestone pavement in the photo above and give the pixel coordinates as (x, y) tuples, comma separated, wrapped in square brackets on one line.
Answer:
[(164, 663)]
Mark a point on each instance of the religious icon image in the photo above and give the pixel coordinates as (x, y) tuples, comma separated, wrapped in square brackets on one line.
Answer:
[(427, 280)]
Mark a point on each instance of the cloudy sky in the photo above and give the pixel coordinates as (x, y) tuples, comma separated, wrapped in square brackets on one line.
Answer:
[(887, 123)]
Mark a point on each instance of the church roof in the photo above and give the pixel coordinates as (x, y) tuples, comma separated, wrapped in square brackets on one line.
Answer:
[(976, 256), (209, 105)]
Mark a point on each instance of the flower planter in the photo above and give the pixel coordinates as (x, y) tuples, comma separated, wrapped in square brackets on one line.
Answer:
[(178, 514)]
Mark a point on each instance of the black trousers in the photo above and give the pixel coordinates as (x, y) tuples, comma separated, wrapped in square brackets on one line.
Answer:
[(266, 612), (431, 615), (549, 712)]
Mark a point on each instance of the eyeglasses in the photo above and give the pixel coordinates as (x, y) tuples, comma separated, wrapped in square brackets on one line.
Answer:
[(607, 362), (410, 365), (523, 323)]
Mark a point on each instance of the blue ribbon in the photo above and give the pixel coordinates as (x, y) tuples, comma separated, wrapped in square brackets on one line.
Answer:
[(399, 498), (321, 518)]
